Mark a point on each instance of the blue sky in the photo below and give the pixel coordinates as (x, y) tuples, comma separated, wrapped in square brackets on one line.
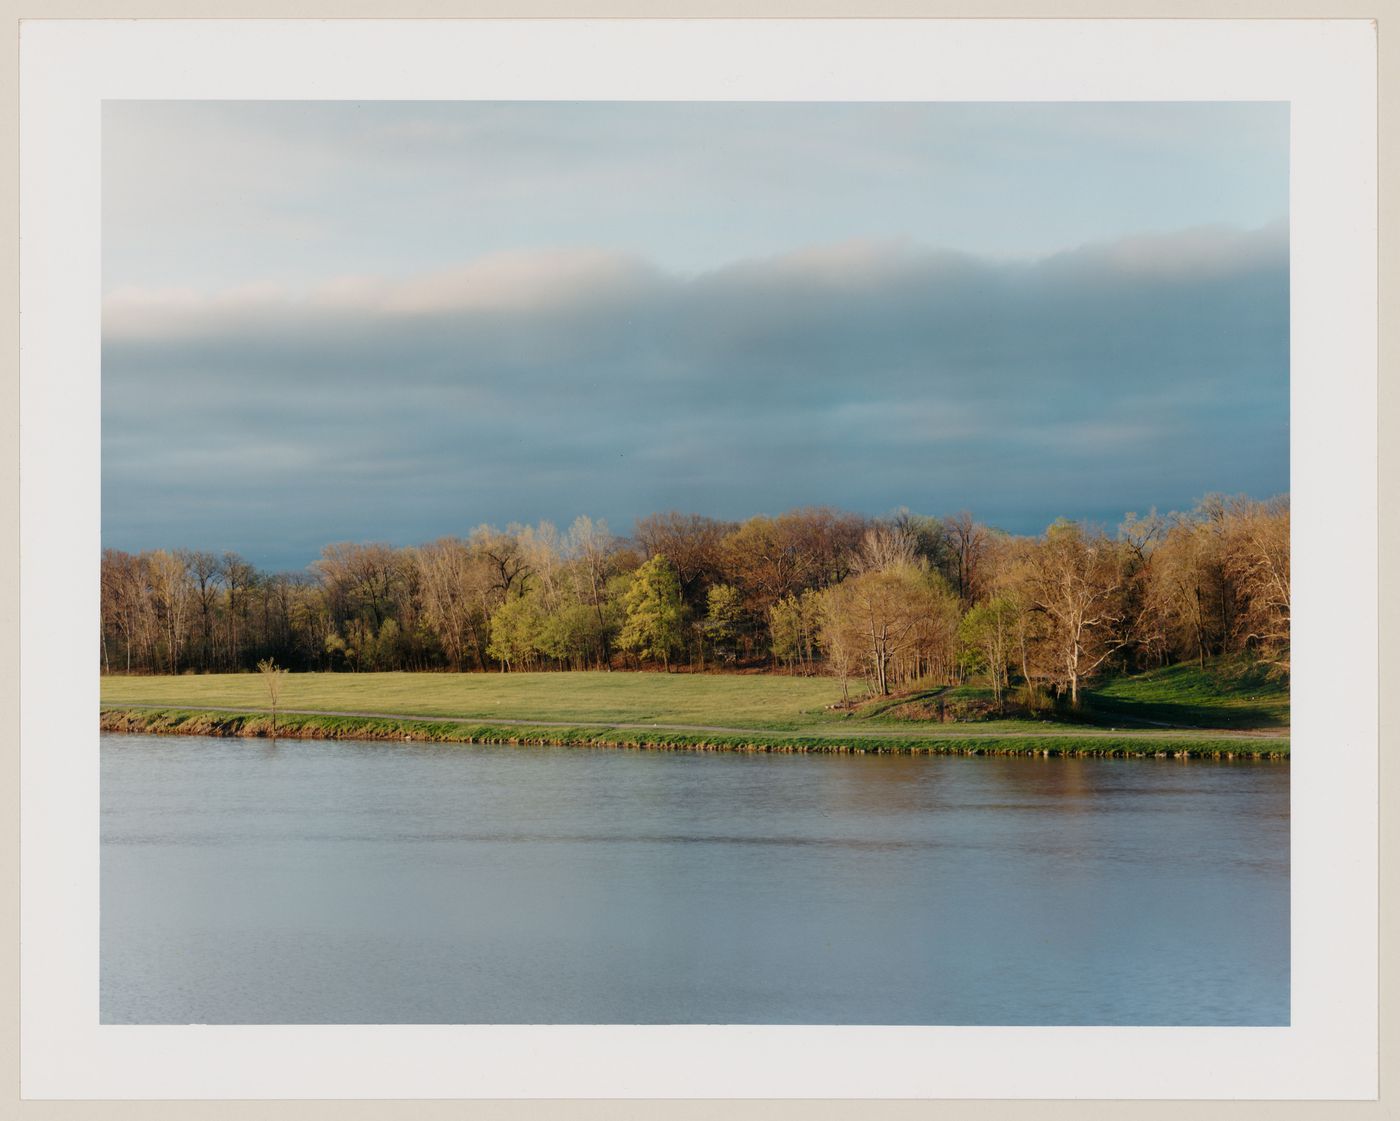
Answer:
[(396, 320)]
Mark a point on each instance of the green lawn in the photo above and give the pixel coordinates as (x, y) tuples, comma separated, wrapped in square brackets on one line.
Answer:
[(749, 700), (1180, 696), (1218, 696)]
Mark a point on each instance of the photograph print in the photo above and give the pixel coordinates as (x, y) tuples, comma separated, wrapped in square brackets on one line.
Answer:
[(695, 563)]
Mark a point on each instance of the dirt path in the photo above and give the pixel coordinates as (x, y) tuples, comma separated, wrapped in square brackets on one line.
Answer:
[(835, 731)]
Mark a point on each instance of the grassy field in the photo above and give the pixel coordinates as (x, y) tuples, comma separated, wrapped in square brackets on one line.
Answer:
[(750, 700), (730, 710), (1186, 695)]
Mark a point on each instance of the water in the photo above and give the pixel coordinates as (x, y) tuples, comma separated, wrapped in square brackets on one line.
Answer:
[(352, 882)]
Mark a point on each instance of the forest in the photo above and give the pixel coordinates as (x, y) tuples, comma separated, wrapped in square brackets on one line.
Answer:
[(875, 602)]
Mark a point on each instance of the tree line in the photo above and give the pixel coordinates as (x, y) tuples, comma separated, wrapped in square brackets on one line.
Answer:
[(880, 601)]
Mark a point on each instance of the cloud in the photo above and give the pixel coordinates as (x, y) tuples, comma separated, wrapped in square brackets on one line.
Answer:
[(225, 192), (869, 374), (521, 281)]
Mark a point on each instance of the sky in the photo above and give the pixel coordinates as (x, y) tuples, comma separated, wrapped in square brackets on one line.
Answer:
[(394, 321)]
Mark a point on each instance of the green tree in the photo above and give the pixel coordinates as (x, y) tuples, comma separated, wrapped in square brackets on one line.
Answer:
[(988, 633), (785, 630), (515, 631), (655, 612), (386, 645), (573, 633), (724, 621), (793, 623)]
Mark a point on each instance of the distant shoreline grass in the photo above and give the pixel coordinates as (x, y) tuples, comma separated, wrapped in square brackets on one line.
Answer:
[(290, 725)]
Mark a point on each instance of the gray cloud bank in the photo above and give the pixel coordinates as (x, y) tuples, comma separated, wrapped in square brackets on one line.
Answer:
[(547, 384)]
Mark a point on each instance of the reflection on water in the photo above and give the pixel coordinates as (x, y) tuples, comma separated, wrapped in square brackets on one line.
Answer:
[(352, 882)]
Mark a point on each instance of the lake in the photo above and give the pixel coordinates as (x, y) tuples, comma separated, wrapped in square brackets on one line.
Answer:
[(303, 881)]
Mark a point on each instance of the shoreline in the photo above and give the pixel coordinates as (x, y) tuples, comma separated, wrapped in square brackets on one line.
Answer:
[(223, 723)]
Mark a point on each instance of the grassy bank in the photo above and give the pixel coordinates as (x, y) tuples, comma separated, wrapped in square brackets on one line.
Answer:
[(176, 721), (1230, 714)]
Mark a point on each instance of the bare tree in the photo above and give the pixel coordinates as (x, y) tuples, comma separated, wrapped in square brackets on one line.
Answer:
[(205, 571), (445, 581), (883, 547), (1257, 560), (593, 548), (1077, 582), (173, 594), (508, 565), (691, 542), (272, 680), (239, 577), (886, 617), (969, 544)]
